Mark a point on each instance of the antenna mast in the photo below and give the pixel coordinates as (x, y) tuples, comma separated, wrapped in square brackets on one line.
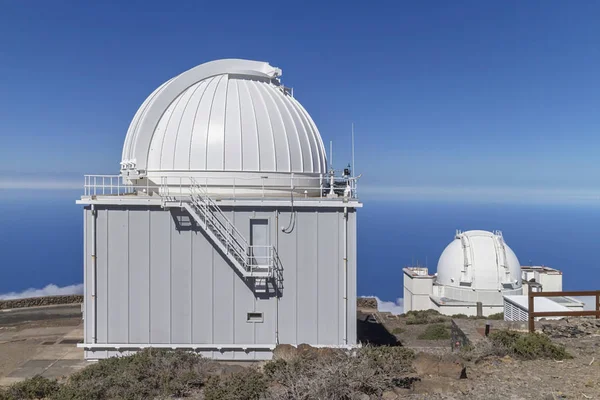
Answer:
[(353, 163), (331, 154)]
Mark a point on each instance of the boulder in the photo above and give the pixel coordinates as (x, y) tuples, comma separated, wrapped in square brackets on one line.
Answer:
[(389, 395), (367, 302), (285, 352)]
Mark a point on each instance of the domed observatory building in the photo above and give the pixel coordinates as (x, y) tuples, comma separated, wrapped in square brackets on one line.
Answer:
[(226, 232), (476, 267)]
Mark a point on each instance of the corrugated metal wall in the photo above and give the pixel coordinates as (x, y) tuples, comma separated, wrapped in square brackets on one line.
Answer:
[(159, 280)]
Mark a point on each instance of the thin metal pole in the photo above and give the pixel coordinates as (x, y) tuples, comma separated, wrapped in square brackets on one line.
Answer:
[(531, 311), (353, 163), (94, 269), (345, 275), (331, 154)]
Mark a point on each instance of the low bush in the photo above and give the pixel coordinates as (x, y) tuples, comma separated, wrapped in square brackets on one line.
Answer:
[(460, 316), (32, 388), (147, 374), (340, 376), (248, 384), (308, 374), (435, 332), (424, 317), (527, 346), (497, 316), (398, 331)]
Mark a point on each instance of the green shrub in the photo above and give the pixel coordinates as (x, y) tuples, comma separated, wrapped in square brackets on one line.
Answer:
[(398, 331), (147, 374), (424, 317), (435, 332), (497, 316), (459, 316), (527, 346), (248, 384), (32, 388)]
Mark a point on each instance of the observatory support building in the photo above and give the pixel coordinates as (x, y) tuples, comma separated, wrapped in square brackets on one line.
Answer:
[(226, 232), (476, 267)]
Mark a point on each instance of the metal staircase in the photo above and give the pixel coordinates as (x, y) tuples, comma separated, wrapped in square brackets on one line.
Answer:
[(258, 263)]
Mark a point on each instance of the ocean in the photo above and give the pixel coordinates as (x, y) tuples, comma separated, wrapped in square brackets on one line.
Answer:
[(41, 239)]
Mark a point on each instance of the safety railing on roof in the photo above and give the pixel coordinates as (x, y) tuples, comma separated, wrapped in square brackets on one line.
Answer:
[(586, 313), (228, 186)]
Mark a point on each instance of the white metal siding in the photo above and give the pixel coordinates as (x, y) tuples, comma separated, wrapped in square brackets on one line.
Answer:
[(160, 281)]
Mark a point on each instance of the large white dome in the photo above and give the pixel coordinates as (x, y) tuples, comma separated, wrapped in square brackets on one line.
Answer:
[(225, 116), (479, 260)]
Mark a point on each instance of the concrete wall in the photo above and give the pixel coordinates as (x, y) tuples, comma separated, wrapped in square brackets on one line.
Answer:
[(550, 282), (416, 293), (161, 281), (470, 310)]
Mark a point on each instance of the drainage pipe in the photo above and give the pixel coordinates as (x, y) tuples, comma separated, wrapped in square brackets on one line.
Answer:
[(277, 288), (94, 265), (345, 275)]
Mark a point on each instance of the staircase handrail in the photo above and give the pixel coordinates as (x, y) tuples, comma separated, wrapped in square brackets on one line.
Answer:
[(222, 228), (226, 225)]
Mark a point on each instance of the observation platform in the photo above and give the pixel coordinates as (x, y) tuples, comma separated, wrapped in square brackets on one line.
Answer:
[(173, 191)]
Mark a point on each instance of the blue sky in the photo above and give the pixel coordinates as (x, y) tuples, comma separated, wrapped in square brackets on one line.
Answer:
[(450, 99)]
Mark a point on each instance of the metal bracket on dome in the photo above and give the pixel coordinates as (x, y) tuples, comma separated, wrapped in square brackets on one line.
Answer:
[(466, 278)]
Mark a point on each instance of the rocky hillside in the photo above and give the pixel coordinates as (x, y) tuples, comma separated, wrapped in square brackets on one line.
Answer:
[(40, 301)]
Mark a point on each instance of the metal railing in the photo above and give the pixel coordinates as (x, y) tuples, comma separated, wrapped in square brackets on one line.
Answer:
[(95, 185), (230, 186), (588, 313), (216, 220), (251, 260)]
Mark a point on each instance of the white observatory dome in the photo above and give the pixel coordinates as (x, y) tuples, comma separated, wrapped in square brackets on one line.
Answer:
[(223, 119), (479, 260)]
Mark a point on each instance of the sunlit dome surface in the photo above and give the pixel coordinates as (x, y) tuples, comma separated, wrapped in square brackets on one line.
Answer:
[(479, 260), (223, 116)]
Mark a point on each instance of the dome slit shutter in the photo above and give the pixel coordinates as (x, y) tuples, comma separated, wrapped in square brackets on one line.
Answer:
[(201, 127), (237, 87), (268, 157), (205, 85), (295, 146), (168, 154), (232, 146), (281, 141), (253, 165), (216, 123)]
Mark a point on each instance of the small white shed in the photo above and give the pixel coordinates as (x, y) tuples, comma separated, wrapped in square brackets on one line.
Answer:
[(516, 308)]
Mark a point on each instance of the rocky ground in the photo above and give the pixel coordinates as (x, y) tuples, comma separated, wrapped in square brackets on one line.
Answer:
[(439, 372), (495, 377)]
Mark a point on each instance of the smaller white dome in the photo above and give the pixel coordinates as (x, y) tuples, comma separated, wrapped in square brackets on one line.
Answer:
[(479, 260)]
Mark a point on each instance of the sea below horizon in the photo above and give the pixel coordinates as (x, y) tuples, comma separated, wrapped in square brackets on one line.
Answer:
[(41, 239)]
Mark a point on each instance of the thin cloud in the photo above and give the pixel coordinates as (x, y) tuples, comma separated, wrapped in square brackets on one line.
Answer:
[(49, 290), (482, 194), (45, 184)]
